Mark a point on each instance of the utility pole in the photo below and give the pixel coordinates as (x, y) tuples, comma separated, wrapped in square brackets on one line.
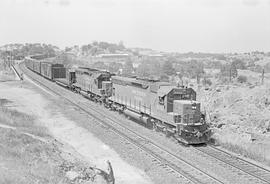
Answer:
[(262, 75), (230, 73)]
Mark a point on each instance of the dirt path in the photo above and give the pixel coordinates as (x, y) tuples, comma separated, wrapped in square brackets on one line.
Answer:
[(27, 99)]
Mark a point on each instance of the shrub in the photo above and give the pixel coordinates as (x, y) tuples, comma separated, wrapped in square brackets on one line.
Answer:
[(242, 79), (207, 82)]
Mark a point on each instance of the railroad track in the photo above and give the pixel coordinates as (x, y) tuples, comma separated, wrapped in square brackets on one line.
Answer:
[(16, 72), (172, 162), (249, 168)]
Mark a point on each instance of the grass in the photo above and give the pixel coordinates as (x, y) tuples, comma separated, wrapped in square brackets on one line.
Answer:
[(252, 151), (28, 159), (25, 159), (6, 73), (20, 120)]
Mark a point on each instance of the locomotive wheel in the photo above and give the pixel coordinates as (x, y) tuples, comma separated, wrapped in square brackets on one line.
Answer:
[(150, 125), (155, 127), (167, 132)]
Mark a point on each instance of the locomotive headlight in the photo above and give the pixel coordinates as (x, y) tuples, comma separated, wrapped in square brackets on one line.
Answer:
[(193, 106)]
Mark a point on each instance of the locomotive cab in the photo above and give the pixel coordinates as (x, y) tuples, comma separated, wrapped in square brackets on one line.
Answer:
[(190, 123)]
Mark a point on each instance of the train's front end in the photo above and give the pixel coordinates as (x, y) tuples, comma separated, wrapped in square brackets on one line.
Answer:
[(191, 126), (190, 122)]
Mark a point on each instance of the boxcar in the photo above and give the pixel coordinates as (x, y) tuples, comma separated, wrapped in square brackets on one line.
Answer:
[(52, 71), (29, 63), (36, 66), (69, 80)]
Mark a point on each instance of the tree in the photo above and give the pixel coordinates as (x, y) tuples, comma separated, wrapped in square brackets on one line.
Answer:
[(114, 67), (121, 45), (99, 65), (93, 50), (164, 78), (194, 69), (128, 68), (242, 79), (167, 68), (84, 49), (67, 49), (65, 59), (239, 64), (95, 43), (234, 72), (143, 70), (229, 71), (149, 68), (104, 45), (220, 57), (207, 82)]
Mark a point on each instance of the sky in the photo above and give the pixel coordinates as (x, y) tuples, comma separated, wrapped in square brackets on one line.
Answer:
[(165, 25)]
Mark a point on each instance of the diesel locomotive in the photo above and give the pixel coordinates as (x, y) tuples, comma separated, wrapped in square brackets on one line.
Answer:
[(159, 105)]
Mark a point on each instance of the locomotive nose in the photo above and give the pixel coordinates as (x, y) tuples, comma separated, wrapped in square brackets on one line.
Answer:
[(198, 134)]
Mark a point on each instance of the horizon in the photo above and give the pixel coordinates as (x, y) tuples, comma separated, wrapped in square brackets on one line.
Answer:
[(187, 52), (208, 26)]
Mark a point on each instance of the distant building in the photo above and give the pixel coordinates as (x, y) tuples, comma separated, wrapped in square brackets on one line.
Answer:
[(108, 58), (117, 56)]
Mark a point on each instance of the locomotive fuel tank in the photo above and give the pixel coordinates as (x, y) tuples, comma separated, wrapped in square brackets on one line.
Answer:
[(138, 117)]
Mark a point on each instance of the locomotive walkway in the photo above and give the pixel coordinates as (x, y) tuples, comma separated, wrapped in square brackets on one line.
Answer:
[(169, 160)]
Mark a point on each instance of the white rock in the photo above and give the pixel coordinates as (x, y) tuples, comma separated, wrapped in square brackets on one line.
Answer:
[(72, 175)]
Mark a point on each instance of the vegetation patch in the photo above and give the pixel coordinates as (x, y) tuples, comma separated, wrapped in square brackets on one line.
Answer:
[(253, 150), (21, 121), (29, 155)]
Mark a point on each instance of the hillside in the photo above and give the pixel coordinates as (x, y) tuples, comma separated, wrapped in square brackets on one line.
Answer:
[(240, 114)]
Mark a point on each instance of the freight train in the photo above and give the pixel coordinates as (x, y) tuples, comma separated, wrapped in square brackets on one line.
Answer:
[(159, 105)]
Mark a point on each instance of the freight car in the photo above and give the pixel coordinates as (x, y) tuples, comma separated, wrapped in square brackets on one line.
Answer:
[(29, 62), (46, 69), (36, 66), (68, 81), (33, 64), (52, 71)]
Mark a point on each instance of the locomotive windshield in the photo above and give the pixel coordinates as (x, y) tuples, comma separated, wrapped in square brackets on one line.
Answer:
[(182, 97)]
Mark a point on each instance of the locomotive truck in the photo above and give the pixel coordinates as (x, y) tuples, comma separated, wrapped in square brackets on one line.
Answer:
[(159, 105)]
